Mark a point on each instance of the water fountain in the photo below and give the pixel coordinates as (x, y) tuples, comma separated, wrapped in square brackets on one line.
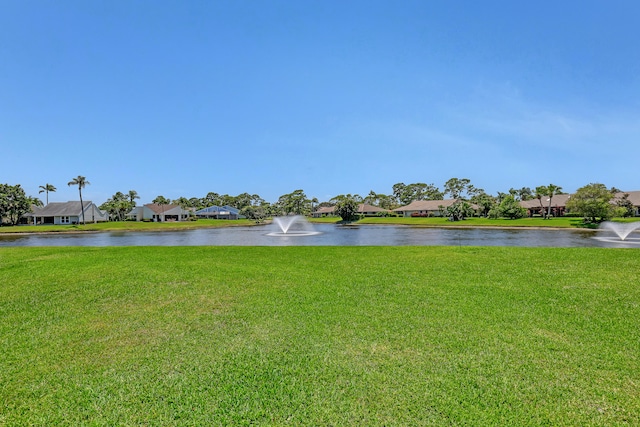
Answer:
[(621, 230), (294, 225)]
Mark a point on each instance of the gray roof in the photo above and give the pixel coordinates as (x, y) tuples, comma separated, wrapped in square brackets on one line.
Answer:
[(62, 209)]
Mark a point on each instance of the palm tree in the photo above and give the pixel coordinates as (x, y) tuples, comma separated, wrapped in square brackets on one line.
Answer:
[(133, 195), (552, 190), (541, 191), (81, 182), (46, 188)]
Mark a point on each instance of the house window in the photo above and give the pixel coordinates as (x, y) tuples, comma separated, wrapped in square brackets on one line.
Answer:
[(64, 219)]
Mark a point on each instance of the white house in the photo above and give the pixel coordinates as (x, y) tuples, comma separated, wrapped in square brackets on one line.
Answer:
[(59, 213), (159, 213)]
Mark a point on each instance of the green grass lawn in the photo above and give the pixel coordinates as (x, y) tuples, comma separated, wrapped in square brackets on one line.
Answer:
[(319, 336)]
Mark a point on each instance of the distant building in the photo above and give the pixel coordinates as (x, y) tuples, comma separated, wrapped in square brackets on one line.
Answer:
[(363, 209), (219, 212), (419, 208), (558, 205), (62, 213), (159, 213)]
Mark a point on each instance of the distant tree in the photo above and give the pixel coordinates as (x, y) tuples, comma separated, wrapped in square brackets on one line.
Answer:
[(552, 190), (14, 203), (118, 206), (196, 203), (295, 203), (484, 201), (346, 206), (593, 202), (510, 208), (521, 194), (540, 194), (256, 213), (458, 187), (183, 202), (81, 182), (406, 194), (383, 201), (47, 188), (211, 199), (458, 211), (625, 207), (133, 195)]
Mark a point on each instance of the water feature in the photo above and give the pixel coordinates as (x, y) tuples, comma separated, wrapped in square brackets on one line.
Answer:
[(328, 235), (292, 226), (621, 231)]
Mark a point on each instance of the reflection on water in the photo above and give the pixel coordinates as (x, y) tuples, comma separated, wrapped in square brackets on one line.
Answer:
[(330, 235)]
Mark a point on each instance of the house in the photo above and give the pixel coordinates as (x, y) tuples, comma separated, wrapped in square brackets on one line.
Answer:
[(323, 211), (369, 210), (159, 213), (634, 198), (558, 205), (426, 207), (219, 212), (59, 213), (363, 209)]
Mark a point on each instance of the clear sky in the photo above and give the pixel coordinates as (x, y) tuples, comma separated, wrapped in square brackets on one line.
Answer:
[(181, 98)]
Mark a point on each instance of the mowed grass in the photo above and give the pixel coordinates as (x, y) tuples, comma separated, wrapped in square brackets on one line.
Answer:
[(319, 336)]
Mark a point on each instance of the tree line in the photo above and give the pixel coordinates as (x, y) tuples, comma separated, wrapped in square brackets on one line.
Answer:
[(594, 201)]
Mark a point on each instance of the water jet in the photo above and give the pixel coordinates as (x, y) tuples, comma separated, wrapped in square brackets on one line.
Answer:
[(293, 225)]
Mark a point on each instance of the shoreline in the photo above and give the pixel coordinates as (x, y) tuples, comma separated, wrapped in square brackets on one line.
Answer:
[(172, 229)]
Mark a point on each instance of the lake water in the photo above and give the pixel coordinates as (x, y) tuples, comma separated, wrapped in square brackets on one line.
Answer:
[(331, 235)]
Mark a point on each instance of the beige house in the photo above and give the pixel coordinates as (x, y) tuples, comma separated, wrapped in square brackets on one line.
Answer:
[(363, 209), (558, 205), (425, 207)]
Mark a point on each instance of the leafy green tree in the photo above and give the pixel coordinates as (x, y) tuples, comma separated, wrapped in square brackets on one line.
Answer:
[(294, 203), (458, 211), (406, 194), (133, 195), (625, 207), (484, 201), (81, 182), (211, 199), (540, 192), (183, 202), (14, 203), (383, 201), (552, 190), (256, 213), (47, 188), (346, 206), (510, 208), (521, 194), (593, 202), (460, 188), (118, 206)]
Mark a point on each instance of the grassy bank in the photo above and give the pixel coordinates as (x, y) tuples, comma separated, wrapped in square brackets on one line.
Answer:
[(561, 222), (319, 336)]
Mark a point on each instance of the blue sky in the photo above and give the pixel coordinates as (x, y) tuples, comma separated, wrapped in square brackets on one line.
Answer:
[(180, 98)]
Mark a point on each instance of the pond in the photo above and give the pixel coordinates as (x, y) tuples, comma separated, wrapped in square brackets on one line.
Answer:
[(330, 235)]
